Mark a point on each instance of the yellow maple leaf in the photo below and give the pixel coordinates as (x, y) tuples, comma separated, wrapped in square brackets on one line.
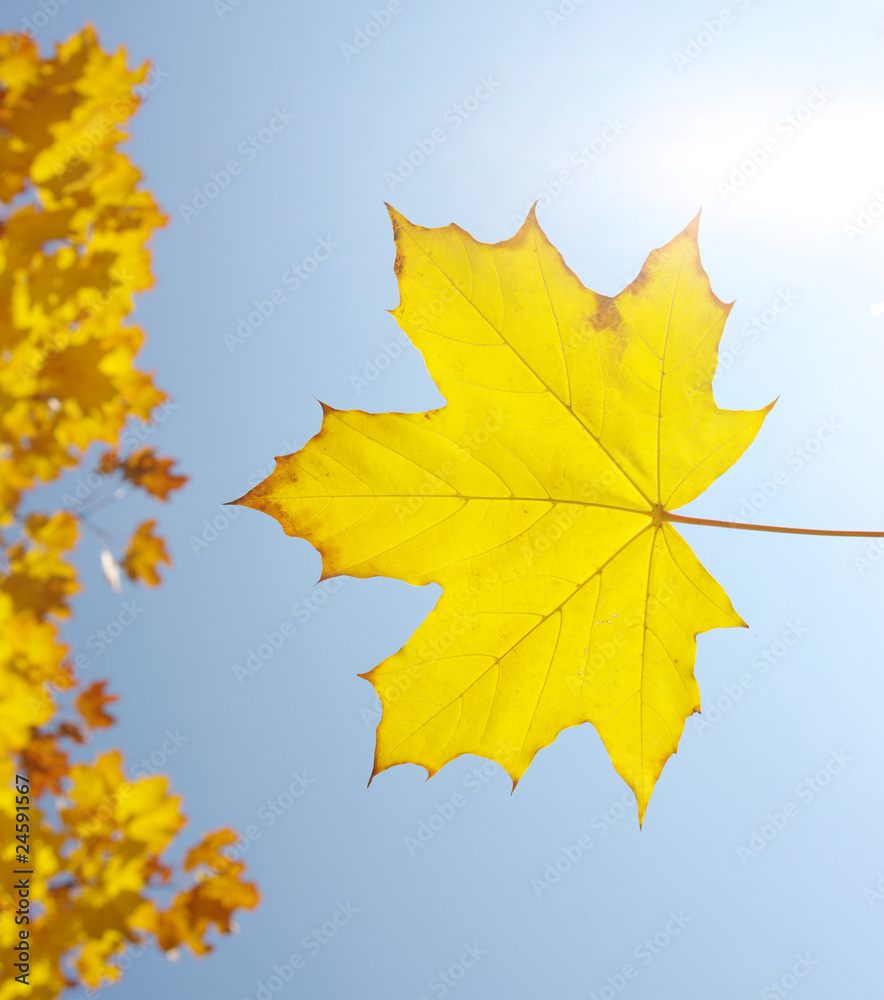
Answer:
[(208, 850), (537, 498), (102, 802), (58, 532), (40, 580), (145, 552), (75, 373)]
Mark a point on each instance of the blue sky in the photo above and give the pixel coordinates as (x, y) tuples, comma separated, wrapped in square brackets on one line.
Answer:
[(272, 135)]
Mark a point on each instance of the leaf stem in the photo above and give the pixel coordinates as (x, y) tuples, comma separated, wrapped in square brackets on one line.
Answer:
[(666, 516)]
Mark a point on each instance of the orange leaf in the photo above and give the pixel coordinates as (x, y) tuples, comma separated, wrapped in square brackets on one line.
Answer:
[(90, 704), (146, 550), (107, 463), (46, 764), (143, 468), (208, 851)]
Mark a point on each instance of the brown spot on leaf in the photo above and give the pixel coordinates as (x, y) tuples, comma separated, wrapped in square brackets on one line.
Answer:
[(609, 323)]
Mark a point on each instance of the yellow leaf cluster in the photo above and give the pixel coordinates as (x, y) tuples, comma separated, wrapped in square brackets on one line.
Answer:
[(72, 255), (74, 227)]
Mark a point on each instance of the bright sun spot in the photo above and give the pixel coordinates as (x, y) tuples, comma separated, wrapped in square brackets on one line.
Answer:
[(814, 164)]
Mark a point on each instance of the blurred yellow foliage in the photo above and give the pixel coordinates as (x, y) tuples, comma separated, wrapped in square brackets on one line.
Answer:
[(74, 227)]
